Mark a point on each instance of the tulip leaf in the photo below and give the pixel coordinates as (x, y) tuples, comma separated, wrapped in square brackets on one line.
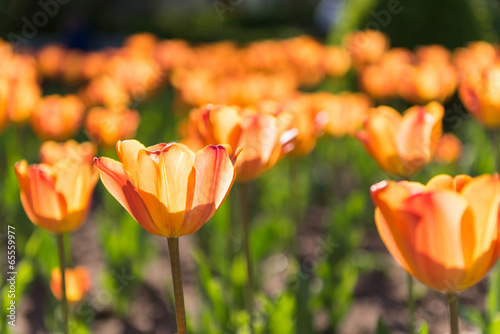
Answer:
[(493, 297), (424, 329), (382, 328)]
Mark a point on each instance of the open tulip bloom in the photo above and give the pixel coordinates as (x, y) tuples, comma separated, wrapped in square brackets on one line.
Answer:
[(445, 233), (170, 191), (402, 145)]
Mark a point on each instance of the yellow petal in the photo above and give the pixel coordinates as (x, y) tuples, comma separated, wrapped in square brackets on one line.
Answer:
[(118, 182), (128, 151), (214, 178)]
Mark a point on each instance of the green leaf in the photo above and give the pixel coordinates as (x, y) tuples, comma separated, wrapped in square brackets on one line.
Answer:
[(424, 329), (382, 327)]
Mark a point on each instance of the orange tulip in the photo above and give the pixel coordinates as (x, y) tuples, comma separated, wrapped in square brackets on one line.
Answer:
[(52, 152), (78, 283), (107, 91), (445, 233), (107, 126), (381, 80), (307, 120), (50, 59), (57, 196), (449, 149), (346, 111), (427, 82), (4, 101), (402, 145), (168, 189), (58, 117), (337, 61), (481, 96), (366, 47), (265, 138)]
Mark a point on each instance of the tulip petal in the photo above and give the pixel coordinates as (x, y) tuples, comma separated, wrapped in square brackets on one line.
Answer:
[(43, 204), (437, 237), (214, 178), (441, 182), (379, 139), (148, 182), (480, 230), (118, 182), (394, 225), (177, 183), (419, 134), (226, 125), (127, 153)]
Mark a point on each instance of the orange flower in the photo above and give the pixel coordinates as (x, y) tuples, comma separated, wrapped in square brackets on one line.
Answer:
[(4, 101), (265, 138), (346, 111), (481, 96), (56, 195), (381, 80), (78, 283), (445, 233), (106, 91), (427, 82), (168, 189), (50, 59), (57, 117), (107, 126), (366, 47), (449, 149), (52, 152), (402, 145), (337, 61), (307, 120)]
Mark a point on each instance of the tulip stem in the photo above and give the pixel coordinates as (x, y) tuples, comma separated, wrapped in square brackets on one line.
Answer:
[(62, 267), (175, 264), (452, 300), (243, 189), (411, 305), (496, 148)]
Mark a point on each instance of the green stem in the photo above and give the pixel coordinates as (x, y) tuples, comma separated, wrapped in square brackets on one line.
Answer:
[(452, 300), (496, 148), (175, 264), (243, 189), (411, 305), (62, 266)]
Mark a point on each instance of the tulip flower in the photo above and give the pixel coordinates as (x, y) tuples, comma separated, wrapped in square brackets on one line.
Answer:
[(4, 101), (308, 120), (445, 233), (78, 284), (52, 152), (346, 111), (57, 117), (449, 149), (427, 82), (265, 138), (170, 191), (337, 61), (366, 47), (381, 80), (50, 59), (481, 96), (402, 145), (56, 197), (107, 126)]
